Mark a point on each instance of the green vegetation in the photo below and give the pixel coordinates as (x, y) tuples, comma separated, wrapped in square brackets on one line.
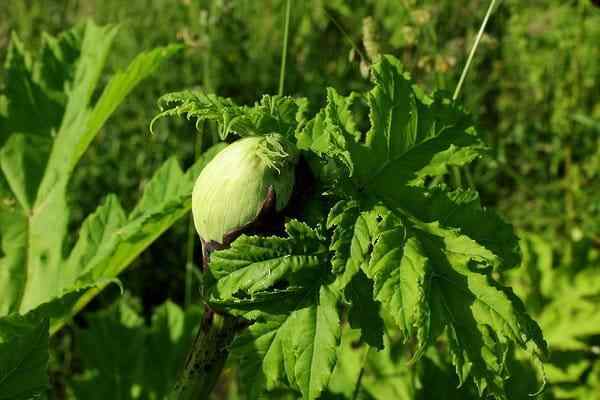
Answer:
[(431, 248)]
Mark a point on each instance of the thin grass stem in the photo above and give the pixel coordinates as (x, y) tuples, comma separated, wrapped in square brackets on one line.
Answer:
[(286, 29), (473, 49)]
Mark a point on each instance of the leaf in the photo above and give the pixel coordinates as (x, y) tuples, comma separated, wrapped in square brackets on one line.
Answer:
[(401, 277), (296, 349), (22, 159), (351, 359), (253, 264), (23, 356), (570, 319), (315, 344), (166, 198), (273, 114), (351, 239), (167, 341), (38, 155), (430, 252), (37, 166), (111, 348), (364, 311), (123, 357), (424, 280), (388, 375), (411, 137), (280, 284)]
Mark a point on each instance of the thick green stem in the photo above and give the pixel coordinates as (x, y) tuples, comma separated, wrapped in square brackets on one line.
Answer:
[(206, 358), (209, 351)]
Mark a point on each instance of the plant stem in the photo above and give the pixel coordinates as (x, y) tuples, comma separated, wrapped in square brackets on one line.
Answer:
[(286, 29), (473, 49), (346, 36), (191, 237), (455, 170), (207, 357), (208, 352), (361, 374)]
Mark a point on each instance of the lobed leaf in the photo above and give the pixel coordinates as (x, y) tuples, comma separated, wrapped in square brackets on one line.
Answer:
[(254, 264), (296, 349), (23, 356), (429, 252), (271, 114)]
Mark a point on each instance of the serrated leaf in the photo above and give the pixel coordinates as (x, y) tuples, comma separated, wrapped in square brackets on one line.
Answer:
[(253, 264), (278, 114), (400, 271), (429, 252), (411, 137), (23, 356), (279, 283), (37, 166), (351, 240), (296, 349)]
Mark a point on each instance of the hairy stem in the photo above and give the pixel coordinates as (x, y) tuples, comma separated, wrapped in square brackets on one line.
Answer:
[(207, 357), (208, 353)]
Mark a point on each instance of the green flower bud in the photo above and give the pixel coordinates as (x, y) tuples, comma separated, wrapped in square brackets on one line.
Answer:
[(235, 186)]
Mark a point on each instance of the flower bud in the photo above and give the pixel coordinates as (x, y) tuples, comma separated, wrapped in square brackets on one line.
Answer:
[(237, 184)]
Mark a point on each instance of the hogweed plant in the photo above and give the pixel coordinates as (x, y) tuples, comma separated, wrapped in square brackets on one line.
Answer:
[(322, 240)]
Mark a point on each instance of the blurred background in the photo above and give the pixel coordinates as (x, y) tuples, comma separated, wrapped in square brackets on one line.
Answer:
[(534, 89)]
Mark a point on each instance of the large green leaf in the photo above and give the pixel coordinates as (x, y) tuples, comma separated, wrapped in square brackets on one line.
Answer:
[(429, 251), (49, 118), (278, 283), (254, 263), (108, 241), (296, 348), (38, 158), (411, 136)]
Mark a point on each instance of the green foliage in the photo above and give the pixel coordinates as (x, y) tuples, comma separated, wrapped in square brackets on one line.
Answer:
[(549, 58), (273, 114), (564, 300), (422, 255), (532, 90), (23, 356), (117, 339), (37, 158)]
